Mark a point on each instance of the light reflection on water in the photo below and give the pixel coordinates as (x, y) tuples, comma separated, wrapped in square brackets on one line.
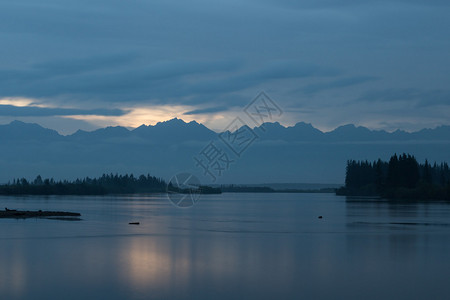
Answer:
[(12, 272), (230, 246)]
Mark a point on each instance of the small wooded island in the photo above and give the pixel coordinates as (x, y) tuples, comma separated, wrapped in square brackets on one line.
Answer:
[(400, 178)]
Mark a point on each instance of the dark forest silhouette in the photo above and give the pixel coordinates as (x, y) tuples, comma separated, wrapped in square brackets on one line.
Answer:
[(401, 177), (106, 184)]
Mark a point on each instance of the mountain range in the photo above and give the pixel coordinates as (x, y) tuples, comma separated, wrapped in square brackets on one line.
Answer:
[(300, 153)]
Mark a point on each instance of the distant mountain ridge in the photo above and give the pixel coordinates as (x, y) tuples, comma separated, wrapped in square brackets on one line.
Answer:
[(296, 154), (178, 130), (17, 130)]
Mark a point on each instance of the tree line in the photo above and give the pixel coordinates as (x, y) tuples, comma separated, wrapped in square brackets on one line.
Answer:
[(401, 177), (106, 184)]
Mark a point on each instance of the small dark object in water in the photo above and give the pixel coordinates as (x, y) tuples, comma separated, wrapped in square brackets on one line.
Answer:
[(320, 217), (134, 223)]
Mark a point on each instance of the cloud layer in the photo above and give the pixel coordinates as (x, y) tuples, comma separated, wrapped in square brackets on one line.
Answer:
[(328, 63)]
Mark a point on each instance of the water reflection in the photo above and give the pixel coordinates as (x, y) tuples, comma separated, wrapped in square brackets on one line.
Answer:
[(189, 265), (397, 230), (12, 272), (148, 263), (255, 246), (395, 215)]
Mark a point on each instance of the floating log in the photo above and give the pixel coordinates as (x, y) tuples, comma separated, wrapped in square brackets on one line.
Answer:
[(18, 214)]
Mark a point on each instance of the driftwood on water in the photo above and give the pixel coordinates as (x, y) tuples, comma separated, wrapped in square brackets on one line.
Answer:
[(22, 214)]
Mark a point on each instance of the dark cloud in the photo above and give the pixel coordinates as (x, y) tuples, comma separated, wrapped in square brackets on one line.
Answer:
[(207, 110), (345, 4), (277, 70), (339, 83), (34, 111), (165, 81), (100, 78), (416, 97), (82, 65)]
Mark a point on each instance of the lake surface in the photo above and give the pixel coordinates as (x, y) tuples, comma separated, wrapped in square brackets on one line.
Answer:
[(229, 246)]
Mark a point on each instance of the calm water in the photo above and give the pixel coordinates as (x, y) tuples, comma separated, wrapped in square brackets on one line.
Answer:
[(230, 246)]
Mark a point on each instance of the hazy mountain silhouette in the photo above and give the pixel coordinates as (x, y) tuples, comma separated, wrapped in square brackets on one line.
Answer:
[(21, 131), (100, 134), (174, 131), (177, 130), (299, 153), (300, 132)]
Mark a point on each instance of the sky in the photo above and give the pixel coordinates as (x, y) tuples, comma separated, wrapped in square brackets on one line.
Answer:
[(81, 64)]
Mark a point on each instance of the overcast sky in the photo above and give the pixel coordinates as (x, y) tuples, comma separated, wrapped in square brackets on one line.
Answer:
[(90, 63)]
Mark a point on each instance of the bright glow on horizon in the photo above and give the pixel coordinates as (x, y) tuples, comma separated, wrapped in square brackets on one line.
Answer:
[(20, 102), (136, 116)]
